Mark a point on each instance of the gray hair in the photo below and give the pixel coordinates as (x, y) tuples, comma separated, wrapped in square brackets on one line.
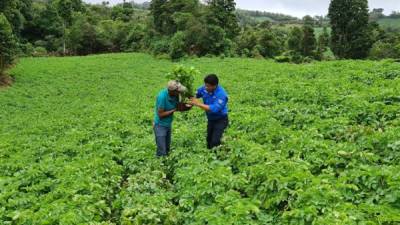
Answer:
[(175, 85)]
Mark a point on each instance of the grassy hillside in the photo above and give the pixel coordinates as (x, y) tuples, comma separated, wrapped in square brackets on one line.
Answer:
[(254, 17), (390, 23)]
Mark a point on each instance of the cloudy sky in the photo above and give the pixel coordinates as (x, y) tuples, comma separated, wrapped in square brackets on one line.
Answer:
[(297, 8)]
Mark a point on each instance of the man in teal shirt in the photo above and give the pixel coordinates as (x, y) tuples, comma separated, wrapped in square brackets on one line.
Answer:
[(166, 106)]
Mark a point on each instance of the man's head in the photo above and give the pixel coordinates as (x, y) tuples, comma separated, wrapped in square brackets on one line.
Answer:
[(211, 82), (175, 88)]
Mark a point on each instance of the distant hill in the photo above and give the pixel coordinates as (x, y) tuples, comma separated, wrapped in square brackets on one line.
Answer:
[(390, 23), (249, 17), (253, 17), (144, 5)]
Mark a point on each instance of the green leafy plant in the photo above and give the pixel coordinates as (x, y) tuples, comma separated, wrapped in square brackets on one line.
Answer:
[(186, 77)]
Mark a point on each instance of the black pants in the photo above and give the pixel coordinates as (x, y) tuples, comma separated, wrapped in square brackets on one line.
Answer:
[(215, 130)]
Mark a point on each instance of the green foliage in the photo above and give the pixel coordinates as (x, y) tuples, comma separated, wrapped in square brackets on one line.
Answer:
[(246, 42), (135, 41), (215, 28), (323, 41), (293, 57), (123, 12), (282, 58), (248, 17), (302, 41), (221, 13), (180, 28), (26, 49), (212, 41), (295, 39), (260, 42), (350, 31), (7, 44), (383, 50), (269, 44), (186, 77), (39, 52), (66, 9), (49, 22), (307, 144), (309, 42), (157, 12), (161, 46), (112, 36), (82, 36), (390, 23), (167, 15), (177, 45), (16, 12)]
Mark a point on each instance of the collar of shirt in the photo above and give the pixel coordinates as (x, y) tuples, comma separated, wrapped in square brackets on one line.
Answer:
[(214, 92), (172, 98)]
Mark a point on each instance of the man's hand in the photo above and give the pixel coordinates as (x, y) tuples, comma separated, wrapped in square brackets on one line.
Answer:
[(194, 101), (162, 114)]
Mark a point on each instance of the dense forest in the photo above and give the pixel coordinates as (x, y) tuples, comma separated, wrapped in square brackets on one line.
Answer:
[(183, 28)]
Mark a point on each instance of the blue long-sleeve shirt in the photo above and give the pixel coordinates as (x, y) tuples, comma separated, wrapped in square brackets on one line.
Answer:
[(217, 100)]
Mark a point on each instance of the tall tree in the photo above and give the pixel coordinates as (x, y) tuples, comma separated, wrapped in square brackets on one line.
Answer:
[(82, 37), (16, 12), (66, 8), (222, 14), (167, 14), (46, 22), (323, 41), (123, 12), (247, 41), (7, 44), (309, 41), (157, 11), (268, 43), (350, 31), (295, 39)]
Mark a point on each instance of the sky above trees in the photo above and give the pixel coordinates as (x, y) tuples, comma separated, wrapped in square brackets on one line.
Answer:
[(297, 8)]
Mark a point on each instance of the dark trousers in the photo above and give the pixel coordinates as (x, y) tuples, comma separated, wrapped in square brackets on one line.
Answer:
[(215, 130), (163, 140)]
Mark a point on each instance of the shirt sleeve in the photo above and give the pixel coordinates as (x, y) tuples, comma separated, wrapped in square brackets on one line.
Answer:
[(219, 104), (161, 102), (199, 93)]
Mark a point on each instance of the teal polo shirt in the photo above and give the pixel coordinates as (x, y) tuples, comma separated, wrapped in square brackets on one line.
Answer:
[(167, 103)]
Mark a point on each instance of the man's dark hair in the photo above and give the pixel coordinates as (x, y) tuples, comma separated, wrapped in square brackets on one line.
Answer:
[(211, 79)]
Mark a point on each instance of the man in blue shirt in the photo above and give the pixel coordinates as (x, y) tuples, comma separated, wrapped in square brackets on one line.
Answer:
[(166, 104), (215, 100)]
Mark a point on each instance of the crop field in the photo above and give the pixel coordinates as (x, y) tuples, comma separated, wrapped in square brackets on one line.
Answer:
[(307, 144)]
